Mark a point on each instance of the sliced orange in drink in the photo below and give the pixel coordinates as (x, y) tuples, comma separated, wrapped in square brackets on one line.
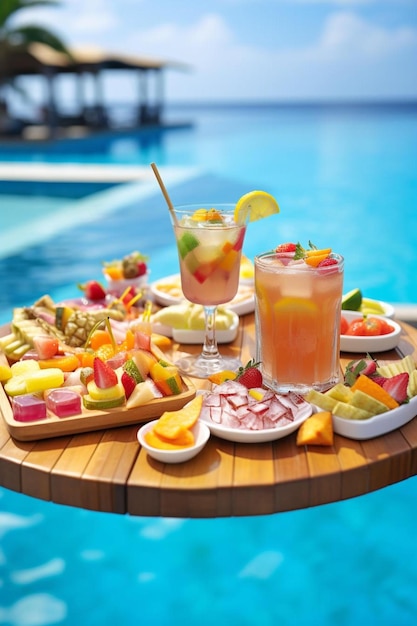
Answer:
[(296, 305), (315, 259), (318, 252)]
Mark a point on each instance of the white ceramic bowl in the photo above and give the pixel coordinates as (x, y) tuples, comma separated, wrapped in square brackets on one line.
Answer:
[(377, 425), (243, 435), (379, 343), (197, 336), (117, 287), (201, 434)]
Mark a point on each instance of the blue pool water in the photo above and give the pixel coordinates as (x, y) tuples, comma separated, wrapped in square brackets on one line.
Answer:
[(344, 177)]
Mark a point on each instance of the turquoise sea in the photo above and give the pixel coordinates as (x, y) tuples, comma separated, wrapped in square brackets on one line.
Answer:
[(344, 176)]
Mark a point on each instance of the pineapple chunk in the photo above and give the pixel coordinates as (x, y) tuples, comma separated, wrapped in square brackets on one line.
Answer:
[(322, 400), (350, 412), (412, 385), (361, 400), (340, 393), (316, 430), (397, 367)]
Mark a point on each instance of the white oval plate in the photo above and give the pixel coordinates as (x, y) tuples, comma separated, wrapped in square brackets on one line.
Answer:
[(185, 335), (380, 343), (243, 435), (197, 336), (377, 425), (201, 433), (242, 303)]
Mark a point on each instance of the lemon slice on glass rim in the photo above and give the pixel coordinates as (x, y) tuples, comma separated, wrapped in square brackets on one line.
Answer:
[(254, 206)]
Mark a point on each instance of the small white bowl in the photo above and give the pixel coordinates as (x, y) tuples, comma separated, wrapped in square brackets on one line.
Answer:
[(118, 287), (201, 434), (378, 343)]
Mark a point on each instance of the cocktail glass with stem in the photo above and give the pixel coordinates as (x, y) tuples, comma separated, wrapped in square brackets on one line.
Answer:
[(209, 243)]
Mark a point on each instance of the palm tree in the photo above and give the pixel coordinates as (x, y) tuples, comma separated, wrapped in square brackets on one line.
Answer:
[(17, 39)]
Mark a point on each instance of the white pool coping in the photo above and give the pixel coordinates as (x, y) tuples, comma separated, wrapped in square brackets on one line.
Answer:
[(142, 185), (82, 172)]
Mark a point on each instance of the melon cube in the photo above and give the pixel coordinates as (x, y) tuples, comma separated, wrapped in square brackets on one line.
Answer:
[(186, 243)]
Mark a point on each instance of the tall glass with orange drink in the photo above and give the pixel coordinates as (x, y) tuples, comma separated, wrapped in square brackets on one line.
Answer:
[(298, 307)]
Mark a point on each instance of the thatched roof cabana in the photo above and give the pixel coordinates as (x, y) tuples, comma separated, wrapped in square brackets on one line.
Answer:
[(44, 61)]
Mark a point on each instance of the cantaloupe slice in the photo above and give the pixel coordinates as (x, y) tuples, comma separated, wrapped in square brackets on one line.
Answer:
[(184, 440), (172, 423), (316, 430), (370, 387)]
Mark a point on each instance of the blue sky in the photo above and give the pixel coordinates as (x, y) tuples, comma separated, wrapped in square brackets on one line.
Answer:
[(254, 49)]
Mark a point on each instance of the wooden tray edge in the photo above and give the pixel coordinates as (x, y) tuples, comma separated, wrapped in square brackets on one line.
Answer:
[(89, 421)]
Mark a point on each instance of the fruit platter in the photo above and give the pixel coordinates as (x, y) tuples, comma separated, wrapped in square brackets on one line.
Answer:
[(67, 369), (372, 400)]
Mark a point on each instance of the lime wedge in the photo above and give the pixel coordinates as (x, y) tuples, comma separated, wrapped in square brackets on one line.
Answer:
[(352, 300), (254, 206), (371, 307)]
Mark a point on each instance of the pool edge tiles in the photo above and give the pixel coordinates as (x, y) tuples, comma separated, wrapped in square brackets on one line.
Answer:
[(84, 210)]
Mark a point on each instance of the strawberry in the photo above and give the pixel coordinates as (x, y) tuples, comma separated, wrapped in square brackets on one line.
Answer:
[(379, 380), (286, 247), (250, 376), (128, 295), (396, 386), (104, 375), (93, 290), (128, 383), (327, 262), (142, 268), (362, 366)]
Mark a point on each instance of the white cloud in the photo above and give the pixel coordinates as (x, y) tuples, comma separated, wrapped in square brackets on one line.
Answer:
[(203, 43), (73, 18), (347, 34), (351, 54)]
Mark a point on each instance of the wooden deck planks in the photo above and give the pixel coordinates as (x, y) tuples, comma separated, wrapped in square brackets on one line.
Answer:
[(107, 471)]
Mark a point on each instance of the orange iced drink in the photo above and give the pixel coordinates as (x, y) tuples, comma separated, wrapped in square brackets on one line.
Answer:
[(209, 244), (298, 305)]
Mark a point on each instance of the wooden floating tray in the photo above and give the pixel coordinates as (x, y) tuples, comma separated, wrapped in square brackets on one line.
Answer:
[(87, 421)]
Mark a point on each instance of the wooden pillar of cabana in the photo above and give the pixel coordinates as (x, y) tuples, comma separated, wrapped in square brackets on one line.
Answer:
[(50, 110), (160, 93), (142, 96), (150, 113), (99, 117)]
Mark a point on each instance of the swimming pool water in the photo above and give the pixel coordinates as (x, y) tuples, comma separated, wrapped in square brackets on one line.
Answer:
[(340, 175)]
